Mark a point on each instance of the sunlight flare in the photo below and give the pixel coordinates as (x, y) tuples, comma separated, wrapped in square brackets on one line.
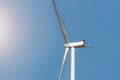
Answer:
[(6, 28)]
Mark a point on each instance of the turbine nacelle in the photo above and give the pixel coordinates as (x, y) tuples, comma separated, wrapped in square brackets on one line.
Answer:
[(76, 44)]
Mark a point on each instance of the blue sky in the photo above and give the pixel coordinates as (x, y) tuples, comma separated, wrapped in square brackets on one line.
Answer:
[(36, 50)]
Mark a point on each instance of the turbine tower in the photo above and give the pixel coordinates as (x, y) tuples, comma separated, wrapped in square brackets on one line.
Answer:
[(68, 45)]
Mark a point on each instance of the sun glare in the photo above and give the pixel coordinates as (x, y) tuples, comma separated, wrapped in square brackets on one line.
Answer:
[(6, 28)]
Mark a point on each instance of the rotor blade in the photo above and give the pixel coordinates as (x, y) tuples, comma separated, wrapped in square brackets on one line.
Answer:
[(88, 47), (63, 63), (61, 24)]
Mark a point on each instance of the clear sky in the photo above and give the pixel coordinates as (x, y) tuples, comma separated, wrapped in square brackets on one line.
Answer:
[(32, 45)]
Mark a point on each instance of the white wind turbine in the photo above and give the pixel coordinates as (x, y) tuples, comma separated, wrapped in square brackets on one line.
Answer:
[(68, 45)]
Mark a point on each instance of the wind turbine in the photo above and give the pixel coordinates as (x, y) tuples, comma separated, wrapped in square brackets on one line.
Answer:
[(68, 45)]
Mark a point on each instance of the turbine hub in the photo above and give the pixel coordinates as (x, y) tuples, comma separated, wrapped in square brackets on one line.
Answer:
[(76, 44)]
